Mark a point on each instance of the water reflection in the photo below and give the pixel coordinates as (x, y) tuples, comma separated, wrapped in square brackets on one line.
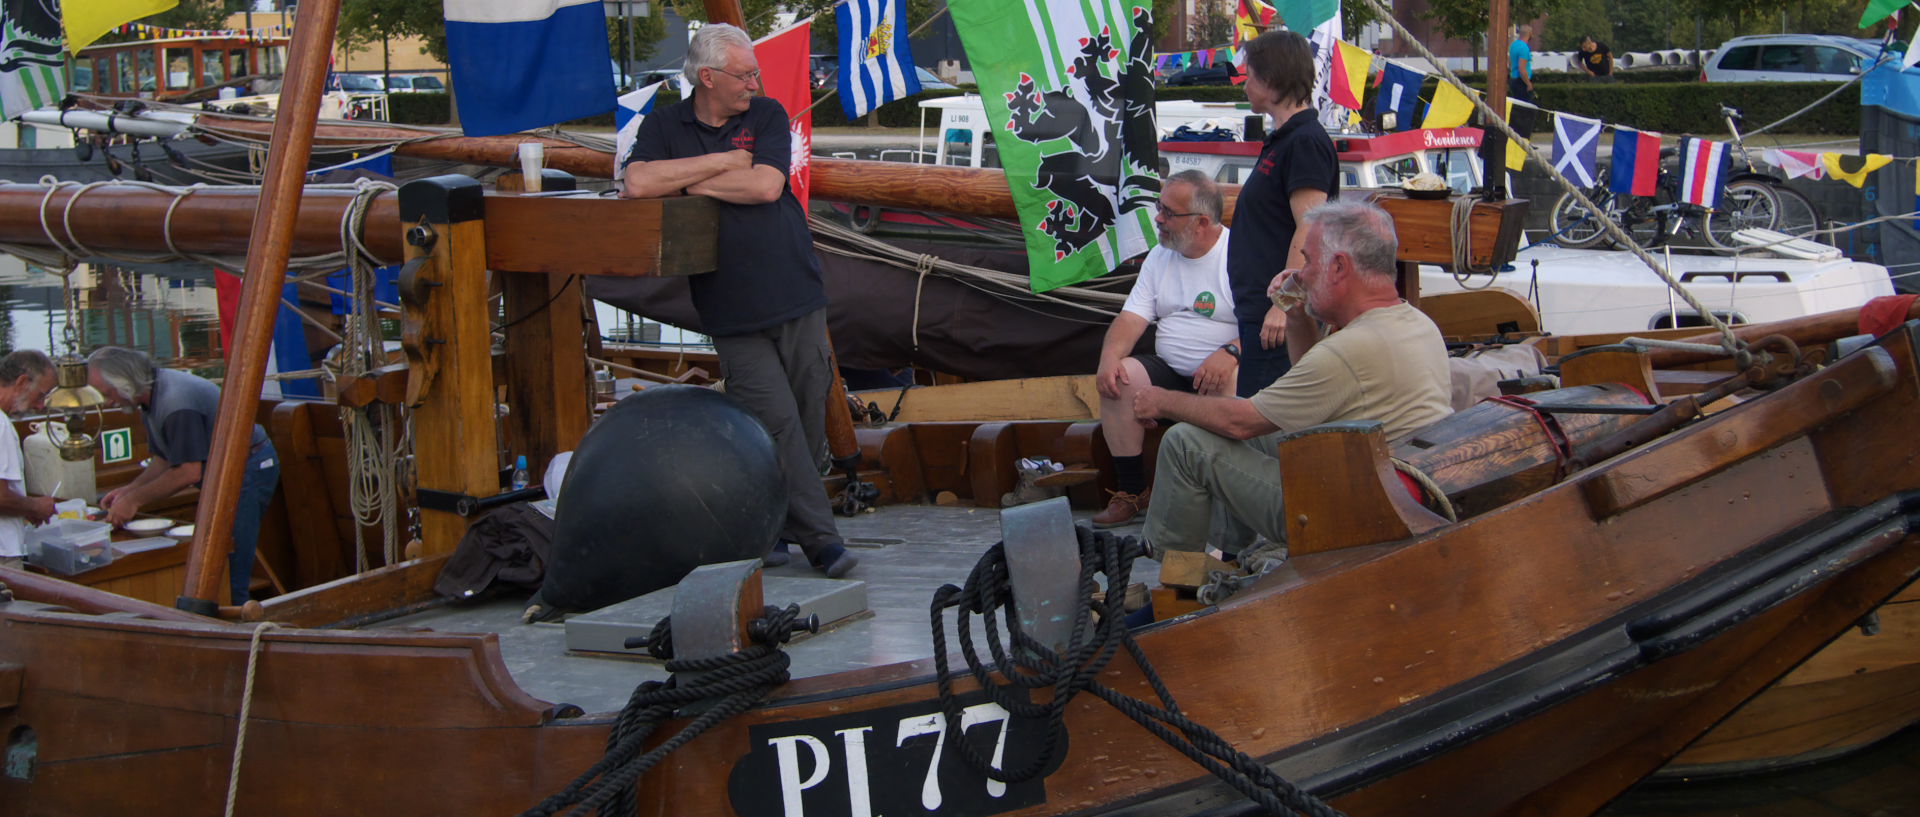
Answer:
[(170, 311)]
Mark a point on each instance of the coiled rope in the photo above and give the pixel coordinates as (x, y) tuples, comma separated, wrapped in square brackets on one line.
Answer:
[(731, 684), (1031, 665)]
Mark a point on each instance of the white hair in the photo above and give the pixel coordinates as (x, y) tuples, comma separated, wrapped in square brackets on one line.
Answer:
[(709, 48)]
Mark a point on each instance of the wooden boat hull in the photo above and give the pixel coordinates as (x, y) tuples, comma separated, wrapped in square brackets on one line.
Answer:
[(1537, 659)]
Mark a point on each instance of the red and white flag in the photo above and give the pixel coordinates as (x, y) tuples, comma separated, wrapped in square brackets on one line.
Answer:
[(786, 76), (1703, 171), (1795, 163)]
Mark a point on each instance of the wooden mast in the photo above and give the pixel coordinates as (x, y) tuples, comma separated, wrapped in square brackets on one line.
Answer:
[(269, 244), (1495, 154)]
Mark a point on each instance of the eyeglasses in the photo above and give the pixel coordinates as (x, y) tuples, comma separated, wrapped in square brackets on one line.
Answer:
[(749, 77), (1171, 214)]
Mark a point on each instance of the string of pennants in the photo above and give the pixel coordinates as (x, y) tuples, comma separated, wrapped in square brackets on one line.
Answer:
[(1635, 165), (1172, 61), (147, 32)]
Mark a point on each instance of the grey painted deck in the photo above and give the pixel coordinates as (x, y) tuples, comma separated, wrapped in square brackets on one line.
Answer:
[(906, 553)]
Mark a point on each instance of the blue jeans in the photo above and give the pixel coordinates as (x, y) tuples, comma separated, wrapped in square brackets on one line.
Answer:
[(256, 490)]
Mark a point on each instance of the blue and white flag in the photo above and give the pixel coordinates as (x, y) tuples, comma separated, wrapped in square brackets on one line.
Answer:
[(520, 64), (876, 66), (1399, 95), (634, 107), (1576, 148)]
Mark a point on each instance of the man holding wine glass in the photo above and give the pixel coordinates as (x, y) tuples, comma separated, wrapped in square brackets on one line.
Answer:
[(1377, 358)]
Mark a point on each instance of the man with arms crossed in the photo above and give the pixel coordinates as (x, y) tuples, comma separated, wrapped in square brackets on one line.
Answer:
[(1383, 361), (764, 305), (1182, 286)]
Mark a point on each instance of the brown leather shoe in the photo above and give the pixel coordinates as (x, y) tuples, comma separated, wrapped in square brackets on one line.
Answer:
[(1122, 509)]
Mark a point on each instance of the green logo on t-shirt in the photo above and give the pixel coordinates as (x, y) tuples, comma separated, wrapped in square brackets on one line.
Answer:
[(1203, 304)]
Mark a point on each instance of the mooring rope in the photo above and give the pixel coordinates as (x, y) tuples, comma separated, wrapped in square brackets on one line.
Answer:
[(730, 683), (1032, 665), (246, 708)]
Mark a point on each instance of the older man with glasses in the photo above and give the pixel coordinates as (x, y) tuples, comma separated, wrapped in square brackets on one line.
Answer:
[(1183, 287), (764, 304)]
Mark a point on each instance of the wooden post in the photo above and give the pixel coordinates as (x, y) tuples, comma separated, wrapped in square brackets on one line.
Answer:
[(546, 341), (270, 243), (1493, 141), (449, 350)]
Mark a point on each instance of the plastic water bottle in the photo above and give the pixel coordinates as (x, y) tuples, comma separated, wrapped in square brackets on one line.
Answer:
[(520, 472)]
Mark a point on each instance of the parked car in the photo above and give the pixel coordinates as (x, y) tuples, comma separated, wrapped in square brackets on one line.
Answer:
[(360, 83), (930, 82), (1222, 74), (1790, 58), (824, 70), (416, 83)]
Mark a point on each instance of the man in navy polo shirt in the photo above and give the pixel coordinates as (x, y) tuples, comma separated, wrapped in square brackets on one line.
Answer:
[(764, 305), (1296, 171)]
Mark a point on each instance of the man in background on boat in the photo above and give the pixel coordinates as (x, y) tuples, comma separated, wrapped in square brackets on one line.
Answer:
[(1384, 361), (1182, 287), (178, 410), (1297, 170), (26, 376), (764, 304)]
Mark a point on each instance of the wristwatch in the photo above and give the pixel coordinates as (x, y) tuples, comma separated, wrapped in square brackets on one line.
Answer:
[(1232, 350)]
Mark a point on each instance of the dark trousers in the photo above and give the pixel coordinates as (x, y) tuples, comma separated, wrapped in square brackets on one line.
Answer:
[(1258, 367), (256, 490), (782, 375)]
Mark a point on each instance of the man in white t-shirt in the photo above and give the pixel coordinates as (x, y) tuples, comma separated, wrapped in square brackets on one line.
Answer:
[(1384, 361), (25, 378), (1183, 287)]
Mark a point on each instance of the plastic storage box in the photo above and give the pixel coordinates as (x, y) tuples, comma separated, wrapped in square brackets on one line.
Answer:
[(70, 546)]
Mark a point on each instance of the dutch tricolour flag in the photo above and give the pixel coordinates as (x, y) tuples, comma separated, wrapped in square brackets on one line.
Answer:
[(876, 66), (520, 64), (1703, 171)]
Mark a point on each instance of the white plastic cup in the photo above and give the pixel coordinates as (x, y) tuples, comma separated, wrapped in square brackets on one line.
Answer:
[(533, 155)]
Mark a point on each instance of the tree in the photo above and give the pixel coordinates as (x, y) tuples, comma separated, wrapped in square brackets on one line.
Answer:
[(365, 22), (1467, 19)]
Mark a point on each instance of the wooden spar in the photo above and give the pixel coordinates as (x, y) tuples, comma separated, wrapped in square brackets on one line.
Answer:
[(269, 244), (1820, 328), (1497, 44), (210, 220)]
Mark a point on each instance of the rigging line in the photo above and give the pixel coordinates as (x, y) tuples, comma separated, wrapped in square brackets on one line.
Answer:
[(1730, 342)]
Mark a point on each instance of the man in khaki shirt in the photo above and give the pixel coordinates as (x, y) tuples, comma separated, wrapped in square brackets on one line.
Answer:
[(1383, 360)]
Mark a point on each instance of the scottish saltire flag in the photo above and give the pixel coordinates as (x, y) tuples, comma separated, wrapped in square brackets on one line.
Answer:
[(31, 74), (876, 66), (633, 109), (1069, 89), (87, 20), (1636, 161), (1346, 82), (1399, 94), (787, 78), (1703, 171), (520, 64), (1576, 148)]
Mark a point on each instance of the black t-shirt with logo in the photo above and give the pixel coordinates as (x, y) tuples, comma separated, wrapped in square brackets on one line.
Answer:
[(1599, 60), (767, 272), (1298, 155)]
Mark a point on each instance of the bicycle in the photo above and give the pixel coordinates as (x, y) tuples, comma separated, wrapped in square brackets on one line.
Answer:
[(1751, 199)]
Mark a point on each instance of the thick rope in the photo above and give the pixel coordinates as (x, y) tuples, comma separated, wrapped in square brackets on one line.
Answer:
[(1031, 665), (1426, 483), (731, 683), (1729, 342), (1461, 228), (246, 707)]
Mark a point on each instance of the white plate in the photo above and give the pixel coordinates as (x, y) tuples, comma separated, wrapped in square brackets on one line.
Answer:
[(183, 533), (148, 525)]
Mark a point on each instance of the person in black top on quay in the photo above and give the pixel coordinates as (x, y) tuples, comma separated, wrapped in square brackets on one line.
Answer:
[(1297, 170), (764, 304), (1596, 58)]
